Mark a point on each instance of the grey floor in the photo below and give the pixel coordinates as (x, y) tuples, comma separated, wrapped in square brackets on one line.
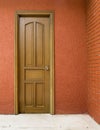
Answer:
[(47, 122)]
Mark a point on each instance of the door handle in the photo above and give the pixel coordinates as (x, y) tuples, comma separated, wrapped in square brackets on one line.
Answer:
[(46, 68)]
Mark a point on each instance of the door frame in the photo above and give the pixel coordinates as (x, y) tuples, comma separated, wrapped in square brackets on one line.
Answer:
[(19, 14)]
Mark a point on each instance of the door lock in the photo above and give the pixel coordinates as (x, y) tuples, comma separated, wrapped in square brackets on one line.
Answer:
[(46, 68)]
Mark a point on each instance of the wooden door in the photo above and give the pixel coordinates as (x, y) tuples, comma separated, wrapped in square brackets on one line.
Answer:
[(34, 64)]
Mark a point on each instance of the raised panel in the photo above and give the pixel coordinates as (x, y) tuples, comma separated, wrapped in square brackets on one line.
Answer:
[(29, 44), (34, 74), (39, 95), (39, 44), (28, 94)]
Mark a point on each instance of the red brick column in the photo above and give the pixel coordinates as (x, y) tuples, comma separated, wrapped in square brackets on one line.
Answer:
[(93, 43)]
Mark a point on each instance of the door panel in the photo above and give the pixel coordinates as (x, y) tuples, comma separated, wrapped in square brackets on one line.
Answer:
[(34, 62), (29, 44)]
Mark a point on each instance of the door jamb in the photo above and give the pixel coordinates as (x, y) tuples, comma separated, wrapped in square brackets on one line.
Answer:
[(18, 14)]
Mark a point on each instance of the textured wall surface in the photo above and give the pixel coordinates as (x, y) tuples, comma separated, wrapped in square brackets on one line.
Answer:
[(70, 53), (93, 29)]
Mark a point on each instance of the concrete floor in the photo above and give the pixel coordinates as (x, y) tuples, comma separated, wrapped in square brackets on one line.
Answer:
[(47, 122)]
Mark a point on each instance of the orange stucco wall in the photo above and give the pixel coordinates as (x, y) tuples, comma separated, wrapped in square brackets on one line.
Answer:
[(70, 53)]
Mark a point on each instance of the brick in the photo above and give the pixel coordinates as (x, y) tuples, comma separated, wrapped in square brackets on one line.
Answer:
[(93, 44)]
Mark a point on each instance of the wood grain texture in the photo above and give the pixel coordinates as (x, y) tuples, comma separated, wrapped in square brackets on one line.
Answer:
[(34, 80)]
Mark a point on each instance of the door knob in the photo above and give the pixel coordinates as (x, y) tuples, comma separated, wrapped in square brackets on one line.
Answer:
[(46, 68)]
